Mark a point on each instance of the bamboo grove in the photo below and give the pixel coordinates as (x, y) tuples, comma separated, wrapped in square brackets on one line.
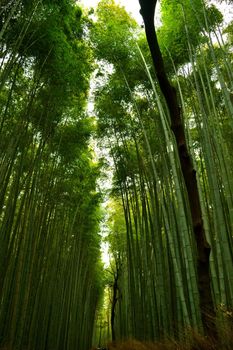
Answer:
[(157, 289), (54, 291), (49, 241)]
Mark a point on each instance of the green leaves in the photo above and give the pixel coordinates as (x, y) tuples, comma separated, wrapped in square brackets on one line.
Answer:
[(112, 33), (181, 22)]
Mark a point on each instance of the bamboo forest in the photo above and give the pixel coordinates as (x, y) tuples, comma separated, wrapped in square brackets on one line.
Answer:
[(116, 175)]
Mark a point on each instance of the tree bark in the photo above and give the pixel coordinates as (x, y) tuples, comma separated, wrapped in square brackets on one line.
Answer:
[(189, 174), (114, 302)]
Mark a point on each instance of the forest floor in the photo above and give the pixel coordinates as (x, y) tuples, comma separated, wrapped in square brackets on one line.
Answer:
[(197, 342)]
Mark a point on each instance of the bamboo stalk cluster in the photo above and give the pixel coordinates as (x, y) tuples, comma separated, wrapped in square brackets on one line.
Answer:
[(49, 242), (157, 289)]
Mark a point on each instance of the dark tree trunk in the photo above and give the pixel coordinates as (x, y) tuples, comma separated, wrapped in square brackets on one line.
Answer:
[(189, 173), (114, 302)]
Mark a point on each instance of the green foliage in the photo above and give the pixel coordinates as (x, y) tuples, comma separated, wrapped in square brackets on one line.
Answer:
[(117, 229), (55, 39), (229, 32), (112, 34), (185, 21)]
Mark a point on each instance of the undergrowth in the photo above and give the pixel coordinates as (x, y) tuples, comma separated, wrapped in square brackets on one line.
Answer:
[(193, 341)]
